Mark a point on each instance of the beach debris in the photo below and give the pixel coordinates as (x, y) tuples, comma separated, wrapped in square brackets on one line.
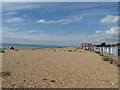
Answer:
[(13, 84), (33, 49), (115, 62), (70, 50), (54, 50), (111, 62), (18, 62), (52, 80), (107, 80), (45, 79)]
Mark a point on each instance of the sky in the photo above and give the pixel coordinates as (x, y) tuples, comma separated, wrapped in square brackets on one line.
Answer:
[(60, 0), (59, 23)]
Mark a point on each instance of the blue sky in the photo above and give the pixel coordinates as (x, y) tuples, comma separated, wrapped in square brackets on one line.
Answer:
[(55, 23)]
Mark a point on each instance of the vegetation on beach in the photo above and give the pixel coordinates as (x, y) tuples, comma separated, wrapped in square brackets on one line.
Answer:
[(6, 73), (70, 50), (44, 79), (2, 51), (97, 52), (17, 49), (52, 80), (118, 65), (107, 59)]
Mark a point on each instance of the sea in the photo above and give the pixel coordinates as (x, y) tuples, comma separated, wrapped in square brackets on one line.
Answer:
[(4, 45)]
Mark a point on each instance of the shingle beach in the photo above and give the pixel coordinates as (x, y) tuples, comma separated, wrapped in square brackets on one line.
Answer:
[(57, 68)]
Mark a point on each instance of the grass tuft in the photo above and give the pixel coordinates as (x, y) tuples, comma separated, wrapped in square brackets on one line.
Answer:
[(70, 50), (107, 59), (44, 79), (97, 52), (17, 49), (52, 80), (2, 51), (118, 65), (3, 74)]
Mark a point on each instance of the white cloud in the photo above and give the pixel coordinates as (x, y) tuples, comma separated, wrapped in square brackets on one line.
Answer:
[(109, 19), (110, 36), (18, 6), (41, 21), (12, 20), (5, 28), (31, 31), (62, 21), (60, 38), (10, 13)]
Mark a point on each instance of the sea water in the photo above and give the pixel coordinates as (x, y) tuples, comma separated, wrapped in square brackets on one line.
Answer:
[(28, 46)]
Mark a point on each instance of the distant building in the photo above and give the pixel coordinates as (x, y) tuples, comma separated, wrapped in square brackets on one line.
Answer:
[(87, 46), (113, 49)]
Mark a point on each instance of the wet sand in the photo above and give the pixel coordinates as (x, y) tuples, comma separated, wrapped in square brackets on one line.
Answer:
[(57, 68)]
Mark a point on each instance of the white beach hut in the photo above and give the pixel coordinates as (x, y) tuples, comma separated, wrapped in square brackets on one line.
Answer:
[(108, 50)]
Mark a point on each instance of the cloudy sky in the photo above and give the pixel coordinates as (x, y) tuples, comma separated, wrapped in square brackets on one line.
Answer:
[(60, 0), (59, 23)]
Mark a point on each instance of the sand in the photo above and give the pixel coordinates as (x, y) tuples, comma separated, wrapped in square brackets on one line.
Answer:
[(57, 68), (0, 70)]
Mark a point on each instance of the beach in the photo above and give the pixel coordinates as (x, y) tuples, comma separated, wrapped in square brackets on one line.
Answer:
[(69, 67)]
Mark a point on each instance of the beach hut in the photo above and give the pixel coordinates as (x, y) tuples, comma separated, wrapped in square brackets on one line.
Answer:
[(11, 47), (117, 51), (104, 49), (113, 50), (108, 50), (95, 48), (100, 49)]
